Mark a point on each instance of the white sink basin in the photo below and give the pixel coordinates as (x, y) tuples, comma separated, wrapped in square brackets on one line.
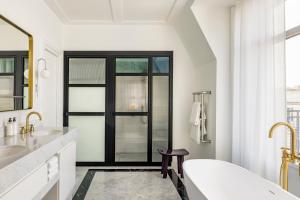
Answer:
[(7, 151), (44, 132)]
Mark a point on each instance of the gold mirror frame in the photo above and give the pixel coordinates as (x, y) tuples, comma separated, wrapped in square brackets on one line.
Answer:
[(30, 62)]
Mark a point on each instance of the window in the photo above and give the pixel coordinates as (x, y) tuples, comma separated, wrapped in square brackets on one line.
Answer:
[(292, 14), (293, 64)]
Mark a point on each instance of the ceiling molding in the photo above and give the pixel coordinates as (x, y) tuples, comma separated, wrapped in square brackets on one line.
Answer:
[(117, 14), (123, 22), (58, 10), (117, 10), (171, 10), (177, 7)]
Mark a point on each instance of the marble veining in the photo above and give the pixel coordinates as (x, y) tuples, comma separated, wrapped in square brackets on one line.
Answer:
[(39, 150), (80, 174), (127, 184)]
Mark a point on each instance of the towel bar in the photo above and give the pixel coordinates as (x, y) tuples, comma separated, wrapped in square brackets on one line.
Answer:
[(203, 137)]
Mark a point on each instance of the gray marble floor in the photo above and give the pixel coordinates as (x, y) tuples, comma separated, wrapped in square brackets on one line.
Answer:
[(128, 185), (131, 157), (80, 173)]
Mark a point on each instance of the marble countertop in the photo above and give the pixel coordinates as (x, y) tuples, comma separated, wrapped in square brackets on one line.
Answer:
[(38, 149)]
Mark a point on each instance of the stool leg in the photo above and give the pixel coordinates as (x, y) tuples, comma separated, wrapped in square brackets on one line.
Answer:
[(163, 158), (181, 169), (178, 164), (165, 168)]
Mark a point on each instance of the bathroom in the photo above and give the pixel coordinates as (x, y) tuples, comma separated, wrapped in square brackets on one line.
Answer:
[(103, 104)]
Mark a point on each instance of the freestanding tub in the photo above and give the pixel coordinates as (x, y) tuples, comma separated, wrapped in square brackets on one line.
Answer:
[(220, 180)]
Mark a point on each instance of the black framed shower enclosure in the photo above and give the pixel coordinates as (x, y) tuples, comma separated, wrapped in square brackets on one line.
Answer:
[(121, 102)]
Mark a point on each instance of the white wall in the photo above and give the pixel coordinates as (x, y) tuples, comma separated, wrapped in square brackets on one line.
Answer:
[(149, 37), (197, 46), (191, 34), (36, 18), (12, 39), (207, 81), (214, 21)]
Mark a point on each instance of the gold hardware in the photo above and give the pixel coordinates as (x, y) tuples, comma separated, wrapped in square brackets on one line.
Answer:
[(288, 155), (22, 130), (30, 75), (29, 128)]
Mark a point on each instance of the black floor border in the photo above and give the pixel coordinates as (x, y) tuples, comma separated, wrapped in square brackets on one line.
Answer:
[(84, 185), (88, 178), (178, 184)]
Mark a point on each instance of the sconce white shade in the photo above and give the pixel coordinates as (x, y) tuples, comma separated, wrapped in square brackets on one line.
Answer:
[(45, 73)]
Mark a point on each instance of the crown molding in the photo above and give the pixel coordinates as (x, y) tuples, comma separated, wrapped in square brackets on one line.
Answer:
[(117, 14)]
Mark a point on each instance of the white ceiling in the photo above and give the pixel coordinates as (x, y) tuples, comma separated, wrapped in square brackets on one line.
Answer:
[(115, 11)]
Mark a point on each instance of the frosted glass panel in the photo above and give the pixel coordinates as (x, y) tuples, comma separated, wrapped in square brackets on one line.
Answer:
[(6, 89), (132, 65), (160, 115), (86, 99), (87, 70), (90, 144), (131, 94), (131, 138), (160, 65), (7, 65)]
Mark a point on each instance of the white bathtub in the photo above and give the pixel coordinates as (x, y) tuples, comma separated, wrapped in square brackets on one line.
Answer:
[(220, 180)]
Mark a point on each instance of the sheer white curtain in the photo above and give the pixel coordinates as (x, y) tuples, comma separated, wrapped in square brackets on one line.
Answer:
[(258, 72)]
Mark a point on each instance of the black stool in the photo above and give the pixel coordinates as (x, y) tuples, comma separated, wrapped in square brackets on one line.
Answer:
[(166, 154)]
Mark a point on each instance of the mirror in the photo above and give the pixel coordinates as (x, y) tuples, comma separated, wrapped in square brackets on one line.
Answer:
[(16, 70)]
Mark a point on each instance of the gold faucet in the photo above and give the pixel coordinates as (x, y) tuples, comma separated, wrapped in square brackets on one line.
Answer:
[(288, 155), (29, 127)]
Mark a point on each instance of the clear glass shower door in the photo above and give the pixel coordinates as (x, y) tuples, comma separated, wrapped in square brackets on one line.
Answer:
[(160, 105)]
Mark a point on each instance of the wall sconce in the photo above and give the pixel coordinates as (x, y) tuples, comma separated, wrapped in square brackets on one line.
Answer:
[(45, 73)]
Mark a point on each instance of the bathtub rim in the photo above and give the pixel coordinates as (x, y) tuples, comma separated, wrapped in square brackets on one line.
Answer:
[(187, 175)]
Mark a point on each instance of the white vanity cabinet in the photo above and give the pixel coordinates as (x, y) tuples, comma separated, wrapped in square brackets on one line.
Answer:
[(30, 186), (45, 171), (67, 171), (36, 184)]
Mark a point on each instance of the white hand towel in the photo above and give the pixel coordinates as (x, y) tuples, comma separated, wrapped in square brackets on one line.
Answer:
[(53, 169), (53, 161), (52, 175), (195, 114), (204, 116), (204, 129)]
